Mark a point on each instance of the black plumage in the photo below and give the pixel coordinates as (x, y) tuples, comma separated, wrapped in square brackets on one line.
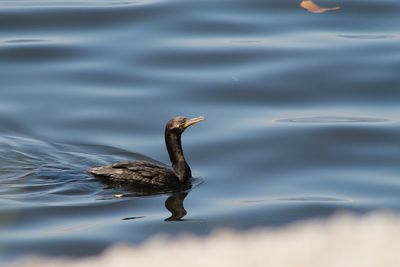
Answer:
[(150, 174)]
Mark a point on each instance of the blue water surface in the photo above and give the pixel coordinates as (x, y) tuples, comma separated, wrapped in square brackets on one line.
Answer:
[(302, 115)]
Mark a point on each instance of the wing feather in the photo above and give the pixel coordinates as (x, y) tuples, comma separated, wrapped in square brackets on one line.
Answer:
[(140, 172)]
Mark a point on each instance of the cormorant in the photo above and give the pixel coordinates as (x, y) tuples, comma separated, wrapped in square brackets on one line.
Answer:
[(144, 173)]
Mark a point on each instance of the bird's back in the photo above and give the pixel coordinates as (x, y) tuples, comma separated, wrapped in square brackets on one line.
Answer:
[(138, 172)]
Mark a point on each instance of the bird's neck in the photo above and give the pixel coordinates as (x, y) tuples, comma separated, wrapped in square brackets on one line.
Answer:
[(175, 152)]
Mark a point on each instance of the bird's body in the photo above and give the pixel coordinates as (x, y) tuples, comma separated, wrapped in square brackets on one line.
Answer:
[(138, 172), (145, 173)]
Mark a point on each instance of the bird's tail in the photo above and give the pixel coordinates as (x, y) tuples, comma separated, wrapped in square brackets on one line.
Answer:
[(101, 170)]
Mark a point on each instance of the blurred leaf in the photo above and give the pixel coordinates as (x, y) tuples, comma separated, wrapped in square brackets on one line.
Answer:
[(314, 8)]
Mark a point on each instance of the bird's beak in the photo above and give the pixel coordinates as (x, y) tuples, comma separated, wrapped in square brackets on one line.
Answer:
[(193, 121)]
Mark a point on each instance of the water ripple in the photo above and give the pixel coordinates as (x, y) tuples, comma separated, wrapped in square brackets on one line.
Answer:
[(368, 36), (333, 119)]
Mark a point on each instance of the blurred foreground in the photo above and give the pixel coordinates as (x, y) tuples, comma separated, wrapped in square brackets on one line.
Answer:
[(343, 240)]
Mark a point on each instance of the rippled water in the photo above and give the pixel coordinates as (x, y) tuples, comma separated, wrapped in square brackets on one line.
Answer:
[(302, 115)]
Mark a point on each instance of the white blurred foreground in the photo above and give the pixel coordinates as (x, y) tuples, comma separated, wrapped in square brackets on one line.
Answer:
[(343, 240)]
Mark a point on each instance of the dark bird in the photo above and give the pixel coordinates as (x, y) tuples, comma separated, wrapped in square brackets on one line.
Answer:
[(148, 174)]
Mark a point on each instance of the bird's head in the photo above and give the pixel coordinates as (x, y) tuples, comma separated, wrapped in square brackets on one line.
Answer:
[(179, 124)]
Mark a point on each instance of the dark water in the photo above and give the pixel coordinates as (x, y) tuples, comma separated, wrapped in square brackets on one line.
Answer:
[(302, 115)]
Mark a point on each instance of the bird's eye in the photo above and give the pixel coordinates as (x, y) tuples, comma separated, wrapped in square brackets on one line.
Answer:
[(182, 121)]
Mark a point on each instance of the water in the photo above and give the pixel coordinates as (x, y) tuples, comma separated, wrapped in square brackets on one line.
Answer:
[(302, 116)]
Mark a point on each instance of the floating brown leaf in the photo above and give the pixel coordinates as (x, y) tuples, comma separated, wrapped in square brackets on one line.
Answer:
[(314, 8)]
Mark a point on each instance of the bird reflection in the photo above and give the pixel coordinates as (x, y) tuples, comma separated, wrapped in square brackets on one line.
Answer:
[(314, 8), (143, 191), (174, 204)]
